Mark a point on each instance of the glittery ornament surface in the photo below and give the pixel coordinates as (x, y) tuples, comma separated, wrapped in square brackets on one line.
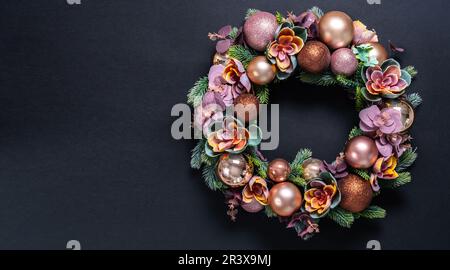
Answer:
[(344, 62), (356, 193), (314, 57), (260, 29)]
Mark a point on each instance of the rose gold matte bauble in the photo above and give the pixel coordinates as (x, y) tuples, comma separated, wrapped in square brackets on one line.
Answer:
[(314, 57), (312, 167), (361, 152), (356, 193), (260, 29), (285, 198), (234, 170), (246, 107), (336, 29), (378, 52), (279, 170), (405, 109), (252, 207), (220, 59), (260, 71)]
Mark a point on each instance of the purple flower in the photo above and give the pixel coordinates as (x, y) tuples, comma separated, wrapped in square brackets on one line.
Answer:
[(386, 121), (229, 80), (304, 224), (389, 144), (338, 168), (308, 21), (210, 111), (224, 38)]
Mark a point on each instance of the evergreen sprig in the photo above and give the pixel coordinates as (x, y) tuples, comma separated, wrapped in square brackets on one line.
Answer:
[(297, 180), (406, 159), (402, 179), (296, 175), (317, 11), (372, 212), (415, 99), (356, 131), (196, 93), (364, 174), (412, 71), (262, 92), (346, 82), (342, 217), (209, 175), (250, 12), (269, 212), (234, 33), (325, 79), (239, 52), (261, 165), (302, 155), (279, 16), (360, 101), (196, 156)]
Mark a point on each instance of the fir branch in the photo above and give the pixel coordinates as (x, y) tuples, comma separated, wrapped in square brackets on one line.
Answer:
[(269, 212), (342, 217), (297, 168), (412, 71), (364, 174), (415, 99), (297, 180), (358, 72), (234, 33), (302, 155), (356, 131), (360, 101), (372, 212), (406, 159), (209, 175), (261, 165), (346, 82), (326, 79), (196, 93), (242, 54), (196, 156), (250, 12), (402, 179), (317, 11), (280, 18), (262, 93)]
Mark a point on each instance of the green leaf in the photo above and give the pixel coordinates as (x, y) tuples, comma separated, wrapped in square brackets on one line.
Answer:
[(250, 12), (325, 79), (356, 131), (402, 179), (406, 160), (196, 156), (239, 52), (415, 99), (196, 93), (269, 212), (372, 212), (233, 33), (209, 175), (342, 217), (262, 92)]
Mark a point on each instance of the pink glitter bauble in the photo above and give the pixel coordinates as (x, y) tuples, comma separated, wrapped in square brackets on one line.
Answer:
[(344, 62), (253, 207), (260, 29)]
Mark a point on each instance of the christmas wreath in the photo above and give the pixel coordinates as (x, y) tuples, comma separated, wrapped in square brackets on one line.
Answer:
[(325, 49)]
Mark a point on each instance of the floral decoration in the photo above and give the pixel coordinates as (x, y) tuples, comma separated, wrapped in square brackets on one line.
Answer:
[(256, 189), (321, 195), (384, 167), (385, 121)]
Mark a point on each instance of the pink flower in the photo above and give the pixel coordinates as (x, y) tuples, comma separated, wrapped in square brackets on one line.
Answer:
[(210, 111), (386, 121), (385, 82), (362, 35), (392, 144)]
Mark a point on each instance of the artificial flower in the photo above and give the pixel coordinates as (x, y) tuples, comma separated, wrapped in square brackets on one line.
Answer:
[(225, 37), (384, 167), (386, 80), (230, 80), (385, 121), (321, 195), (304, 224), (307, 20), (392, 144), (209, 111), (337, 168), (362, 35), (256, 189)]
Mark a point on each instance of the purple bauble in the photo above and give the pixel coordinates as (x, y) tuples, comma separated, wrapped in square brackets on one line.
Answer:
[(260, 29), (252, 207), (344, 62)]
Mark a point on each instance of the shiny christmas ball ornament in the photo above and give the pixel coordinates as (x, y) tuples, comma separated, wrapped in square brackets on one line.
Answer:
[(252, 207), (356, 193), (361, 152), (406, 111), (260, 29), (279, 170), (336, 29), (220, 59), (246, 107), (285, 198), (234, 170), (314, 57), (260, 71), (312, 168), (344, 62), (379, 52)]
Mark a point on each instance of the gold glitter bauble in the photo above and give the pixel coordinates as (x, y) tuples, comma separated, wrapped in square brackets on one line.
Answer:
[(314, 57), (356, 193)]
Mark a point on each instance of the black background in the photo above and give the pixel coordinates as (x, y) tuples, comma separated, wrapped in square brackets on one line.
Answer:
[(85, 146)]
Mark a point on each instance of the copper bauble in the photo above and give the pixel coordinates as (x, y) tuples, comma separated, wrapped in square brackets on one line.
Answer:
[(406, 111), (252, 207), (279, 170), (361, 152), (356, 193), (220, 59), (378, 52), (260, 71), (344, 62), (336, 29), (314, 57), (260, 29), (234, 170), (285, 198), (246, 107), (312, 168)]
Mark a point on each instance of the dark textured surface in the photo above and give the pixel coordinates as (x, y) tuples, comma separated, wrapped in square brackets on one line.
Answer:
[(85, 145)]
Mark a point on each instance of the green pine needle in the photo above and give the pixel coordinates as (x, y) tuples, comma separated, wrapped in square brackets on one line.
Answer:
[(356, 131), (234, 32), (402, 179), (372, 212), (346, 82), (242, 54), (317, 11), (297, 180), (302, 155), (260, 165), (296, 167), (326, 79), (269, 212), (415, 99), (280, 18), (250, 12), (365, 174), (209, 175), (262, 93), (360, 101), (412, 71), (342, 217), (406, 160), (196, 93), (196, 156)]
